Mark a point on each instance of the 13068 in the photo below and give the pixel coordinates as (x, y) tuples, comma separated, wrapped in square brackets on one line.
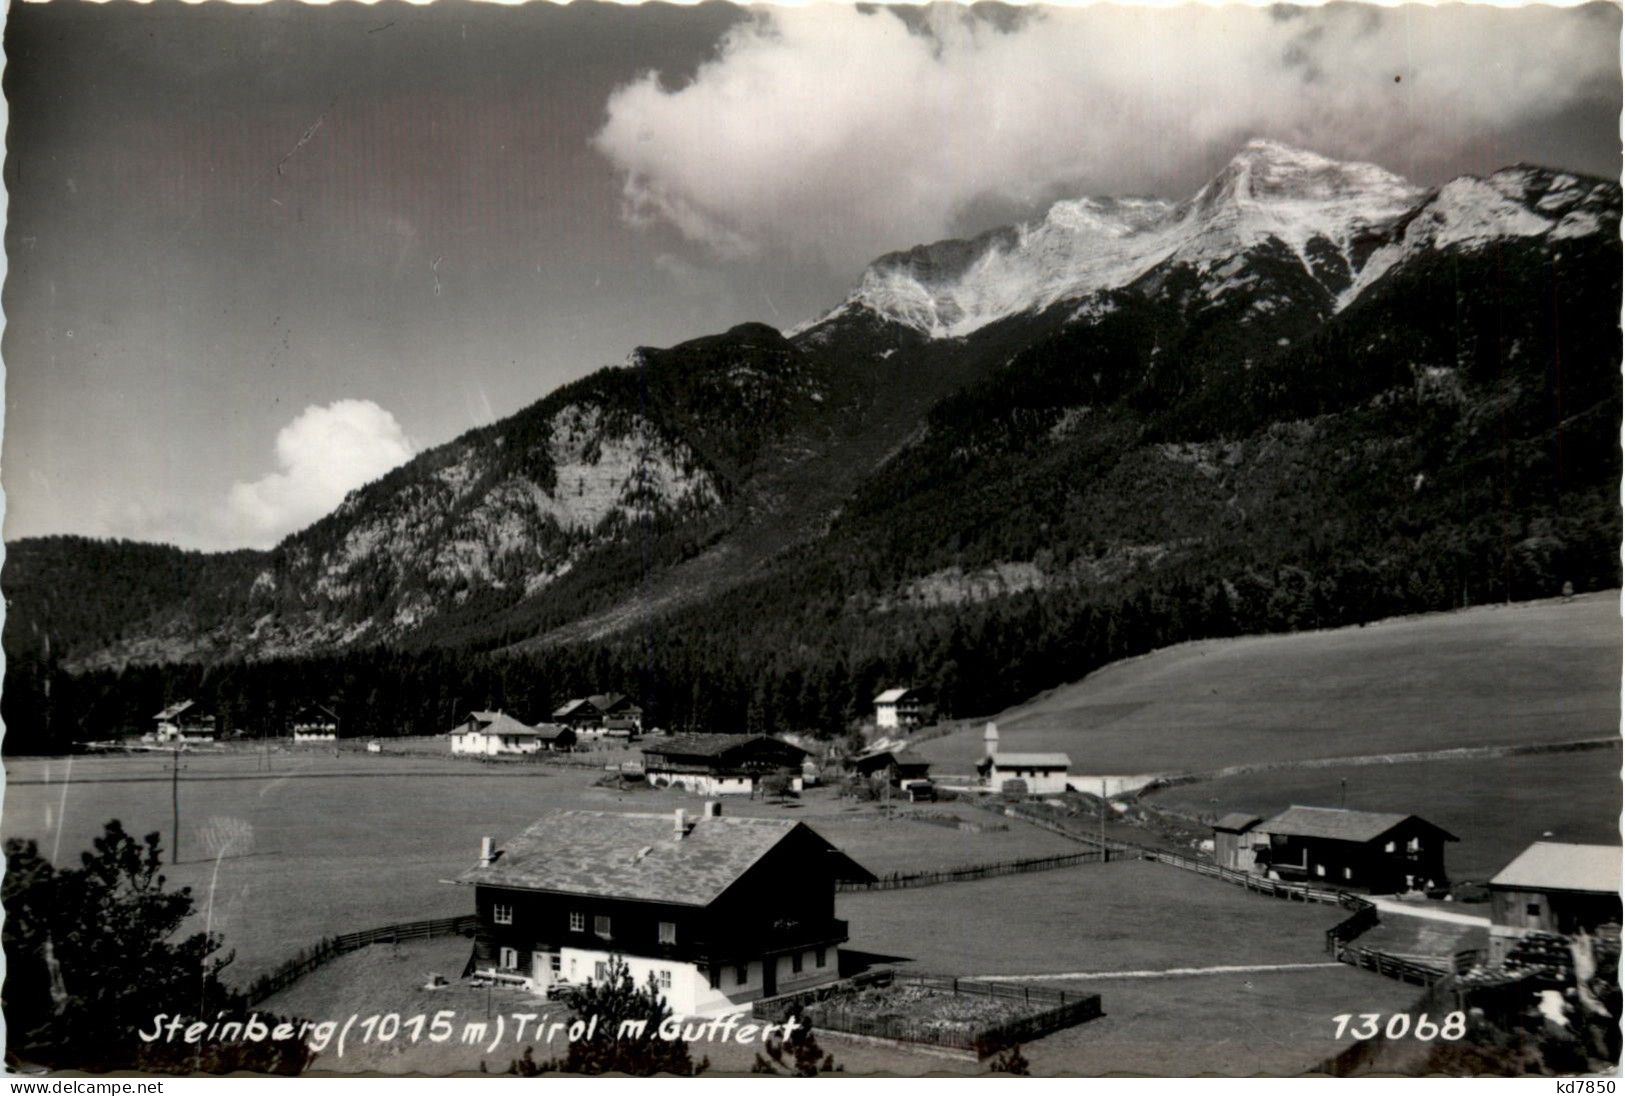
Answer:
[(1399, 1025)]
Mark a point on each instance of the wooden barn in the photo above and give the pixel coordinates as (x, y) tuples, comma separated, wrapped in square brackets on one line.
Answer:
[(1554, 888), (610, 715), (315, 723), (721, 764), (1352, 850), (1233, 841), (717, 911)]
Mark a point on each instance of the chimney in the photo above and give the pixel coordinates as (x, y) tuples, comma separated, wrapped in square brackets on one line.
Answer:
[(488, 847), (991, 737), (713, 809), (681, 829)]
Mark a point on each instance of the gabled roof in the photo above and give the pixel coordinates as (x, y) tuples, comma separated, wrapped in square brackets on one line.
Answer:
[(499, 723), (1551, 865), (318, 710), (174, 710), (1032, 760), (712, 745), (570, 707), (1338, 824), (900, 758), (639, 856), (892, 696), (605, 701), (549, 731), (1237, 822)]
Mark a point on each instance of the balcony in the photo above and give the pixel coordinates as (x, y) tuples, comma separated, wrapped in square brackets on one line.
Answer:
[(725, 946)]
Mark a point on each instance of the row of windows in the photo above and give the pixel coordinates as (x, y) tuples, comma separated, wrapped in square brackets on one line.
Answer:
[(502, 914)]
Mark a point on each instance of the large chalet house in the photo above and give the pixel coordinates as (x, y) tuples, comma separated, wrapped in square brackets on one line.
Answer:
[(487, 734), (607, 715), (1551, 887), (904, 708), (315, 723), (718, 911), (1351, 850), (184, 721), (722, 764)]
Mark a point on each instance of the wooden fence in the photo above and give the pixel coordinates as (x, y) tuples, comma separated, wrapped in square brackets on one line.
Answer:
[(325, 951), (1275, 888), (1052, 1010), (905, 880)]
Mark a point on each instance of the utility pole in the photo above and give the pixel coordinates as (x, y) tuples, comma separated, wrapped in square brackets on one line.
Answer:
[(1343, 793), (1103, 807), (175, 806)]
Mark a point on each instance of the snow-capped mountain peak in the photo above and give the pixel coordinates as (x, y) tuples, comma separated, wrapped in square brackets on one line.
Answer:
[(1345, 222)]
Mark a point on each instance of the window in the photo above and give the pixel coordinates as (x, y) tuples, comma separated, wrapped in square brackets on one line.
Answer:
[(509, 959), (668, 932), (741, 975), (1390, 847), (823, 954), (1320, 870), (716, 977), (1348, 873), (578, 921), (1533, 909), (1414, 845), (600, 926), (502, 913), (553, 962), (795, 963), (600, 971), (663, 979)]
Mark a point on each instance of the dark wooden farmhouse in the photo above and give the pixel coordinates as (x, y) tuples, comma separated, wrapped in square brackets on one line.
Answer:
[(1554, 888), (719, 911), (611, 715), (721, 764), (1352, 850), (897, 766), (1233, 841)]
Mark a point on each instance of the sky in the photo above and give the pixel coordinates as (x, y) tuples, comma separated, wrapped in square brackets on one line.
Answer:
[(260, 255)]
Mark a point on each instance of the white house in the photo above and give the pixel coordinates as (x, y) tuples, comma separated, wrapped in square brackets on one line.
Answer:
[(718, 911), (487, 734), (905, 708)]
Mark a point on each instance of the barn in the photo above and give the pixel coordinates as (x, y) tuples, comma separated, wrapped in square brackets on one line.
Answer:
[(1554, 888), (898, 766), (1365, 850), (721, 764), (717, 911)]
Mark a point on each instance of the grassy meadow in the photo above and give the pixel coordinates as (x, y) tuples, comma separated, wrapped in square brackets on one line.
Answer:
[(1545, 671)]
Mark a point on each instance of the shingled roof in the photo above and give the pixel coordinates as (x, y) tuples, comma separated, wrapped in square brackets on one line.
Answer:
[(1552, 865), (710, 745), (639, 856), (497, 723), (1032, 760), (1337, 824)]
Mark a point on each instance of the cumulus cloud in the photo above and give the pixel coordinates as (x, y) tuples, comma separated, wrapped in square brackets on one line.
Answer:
[(321, 455), (839, 132)]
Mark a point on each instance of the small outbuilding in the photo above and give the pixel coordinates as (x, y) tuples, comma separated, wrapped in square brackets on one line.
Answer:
[(1233, 841), (898, 766)]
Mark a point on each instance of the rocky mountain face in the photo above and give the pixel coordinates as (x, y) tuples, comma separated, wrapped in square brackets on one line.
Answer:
[(1126, 392)]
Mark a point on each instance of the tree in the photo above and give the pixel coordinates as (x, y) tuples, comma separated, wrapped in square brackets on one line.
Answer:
[(798, 1055), (1012, 1061), (92, 959), (638, 1049)]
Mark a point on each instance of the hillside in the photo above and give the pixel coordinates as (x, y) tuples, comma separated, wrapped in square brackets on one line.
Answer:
[(1310, 394), (1545, 671)]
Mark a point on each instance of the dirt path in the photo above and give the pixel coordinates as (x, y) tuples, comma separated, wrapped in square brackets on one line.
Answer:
[(1171, 972)]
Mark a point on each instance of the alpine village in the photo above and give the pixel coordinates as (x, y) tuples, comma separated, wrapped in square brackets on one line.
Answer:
[(1039, 675)]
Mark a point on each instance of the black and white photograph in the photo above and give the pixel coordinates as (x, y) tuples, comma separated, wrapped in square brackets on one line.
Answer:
[(831, 539)]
